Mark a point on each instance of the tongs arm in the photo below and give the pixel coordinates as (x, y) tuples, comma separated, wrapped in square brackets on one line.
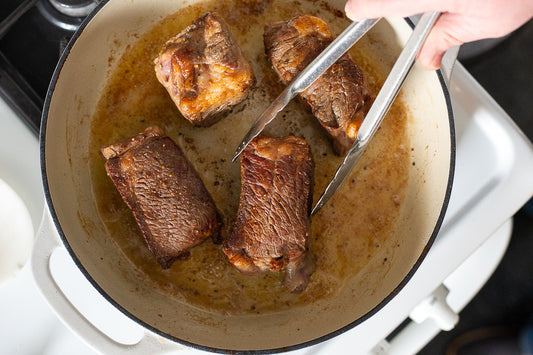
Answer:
[(381, 105)]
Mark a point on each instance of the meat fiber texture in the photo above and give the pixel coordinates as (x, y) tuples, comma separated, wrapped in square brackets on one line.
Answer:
[(204, 70), (167, 197), (272, 228), (340, 97)]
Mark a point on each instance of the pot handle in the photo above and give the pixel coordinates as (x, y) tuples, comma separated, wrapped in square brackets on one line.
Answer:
[(448, 63), (47, 241)]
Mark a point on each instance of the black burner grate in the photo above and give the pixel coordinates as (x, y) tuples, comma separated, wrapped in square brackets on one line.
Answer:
[(32, 35)]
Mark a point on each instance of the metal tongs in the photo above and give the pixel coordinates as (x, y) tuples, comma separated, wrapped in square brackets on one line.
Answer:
[(379, 108)]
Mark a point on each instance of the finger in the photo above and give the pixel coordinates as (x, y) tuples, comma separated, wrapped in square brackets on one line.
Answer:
[(358, 10), (441, 38)]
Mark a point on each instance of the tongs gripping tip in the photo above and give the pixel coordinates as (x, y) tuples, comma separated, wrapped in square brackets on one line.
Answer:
[(381, 105), (312, 72)]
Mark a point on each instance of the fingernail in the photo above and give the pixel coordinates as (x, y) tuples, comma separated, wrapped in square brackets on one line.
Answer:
[(434, 64), (350, 11), (429, 63)]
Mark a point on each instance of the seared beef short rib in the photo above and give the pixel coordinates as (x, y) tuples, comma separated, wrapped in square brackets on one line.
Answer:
[(169, 201), (339, 98), (204, 71), (273, 221)]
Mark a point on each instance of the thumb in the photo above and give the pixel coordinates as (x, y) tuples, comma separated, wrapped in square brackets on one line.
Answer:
[(441, 38), (357, 10)]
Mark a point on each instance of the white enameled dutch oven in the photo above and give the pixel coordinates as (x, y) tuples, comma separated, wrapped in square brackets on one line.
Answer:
[(73, 215)]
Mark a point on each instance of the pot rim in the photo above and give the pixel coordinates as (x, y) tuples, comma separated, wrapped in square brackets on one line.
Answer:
[(64, 239)]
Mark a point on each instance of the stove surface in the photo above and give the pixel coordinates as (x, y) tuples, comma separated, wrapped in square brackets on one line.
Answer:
[(505, 301), (32, 36)]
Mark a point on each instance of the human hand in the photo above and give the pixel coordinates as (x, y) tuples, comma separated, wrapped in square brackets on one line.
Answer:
[(461, 21)]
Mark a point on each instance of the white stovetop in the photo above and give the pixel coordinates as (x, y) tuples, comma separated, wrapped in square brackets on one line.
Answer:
[(485, 173)]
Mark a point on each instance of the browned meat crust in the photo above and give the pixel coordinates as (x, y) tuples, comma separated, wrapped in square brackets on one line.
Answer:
[(204, 71), (169, 201), (340, 97), (273, 222)]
